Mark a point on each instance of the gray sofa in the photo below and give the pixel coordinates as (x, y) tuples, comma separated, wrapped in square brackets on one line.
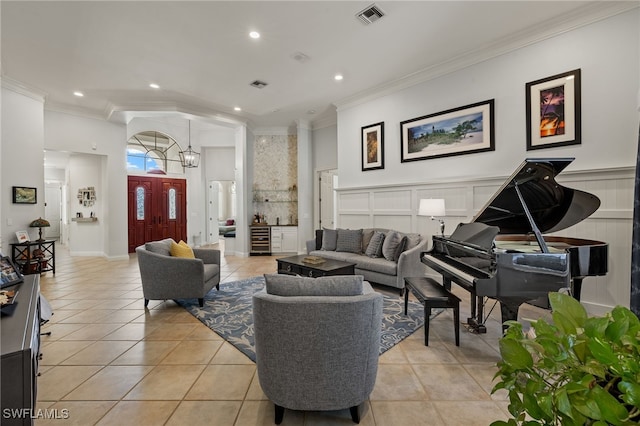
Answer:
[(317, 342), (388, 265), (168, 277)]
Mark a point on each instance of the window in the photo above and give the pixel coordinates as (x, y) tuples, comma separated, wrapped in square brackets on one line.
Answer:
[(153, 152), (172, 203), (140, 203)]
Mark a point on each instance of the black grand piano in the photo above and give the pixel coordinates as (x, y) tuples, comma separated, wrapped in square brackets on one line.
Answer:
[(502, 253)]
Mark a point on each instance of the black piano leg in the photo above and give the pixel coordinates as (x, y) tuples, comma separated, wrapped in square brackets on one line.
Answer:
[(509, 313), (576, 288)]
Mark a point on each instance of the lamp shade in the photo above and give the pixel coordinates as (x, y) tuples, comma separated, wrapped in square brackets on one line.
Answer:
[(40, 223), (431, 207)]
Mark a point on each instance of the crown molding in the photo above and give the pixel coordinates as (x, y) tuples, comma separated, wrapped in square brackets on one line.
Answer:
[(582, 17), (23, 89)]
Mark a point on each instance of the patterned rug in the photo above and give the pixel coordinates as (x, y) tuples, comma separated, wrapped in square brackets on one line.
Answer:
[(228, 313)]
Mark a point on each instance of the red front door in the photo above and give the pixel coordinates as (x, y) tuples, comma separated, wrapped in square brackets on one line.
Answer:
[(157, 209)]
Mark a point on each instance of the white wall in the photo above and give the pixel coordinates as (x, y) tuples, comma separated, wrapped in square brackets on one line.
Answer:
[(325, 148), (606, 52), (604, 165), (219, 163), (80, 135), (87, 238), (21, 163)]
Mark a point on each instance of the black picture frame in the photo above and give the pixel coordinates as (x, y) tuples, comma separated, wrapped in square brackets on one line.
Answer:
[(553, 111), (9, 274), (464, 130), (372, 146), (24, 195)]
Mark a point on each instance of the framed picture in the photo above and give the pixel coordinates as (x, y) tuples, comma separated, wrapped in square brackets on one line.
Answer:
[(553, 111), (9, 274), (24, 195), (372, 137), (23, 236), (464, 130)]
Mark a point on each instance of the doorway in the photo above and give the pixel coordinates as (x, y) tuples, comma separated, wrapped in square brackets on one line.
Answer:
[(157, 209), (53, 209), (221, 207), (326, 201)]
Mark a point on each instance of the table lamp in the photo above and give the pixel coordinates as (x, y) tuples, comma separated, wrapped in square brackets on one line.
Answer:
[(40, 223), (433, 207)]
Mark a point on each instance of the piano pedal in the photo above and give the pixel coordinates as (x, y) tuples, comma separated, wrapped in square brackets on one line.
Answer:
[(474, 327)]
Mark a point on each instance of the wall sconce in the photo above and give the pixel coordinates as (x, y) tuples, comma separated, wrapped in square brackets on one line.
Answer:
[(433, 207)]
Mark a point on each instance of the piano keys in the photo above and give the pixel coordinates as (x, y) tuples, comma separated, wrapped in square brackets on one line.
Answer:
[(502, 254)]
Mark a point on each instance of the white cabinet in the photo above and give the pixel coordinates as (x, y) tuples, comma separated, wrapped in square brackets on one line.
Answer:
[(284, 239)]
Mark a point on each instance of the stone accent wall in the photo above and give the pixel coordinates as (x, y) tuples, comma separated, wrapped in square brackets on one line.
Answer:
[(275, 176)]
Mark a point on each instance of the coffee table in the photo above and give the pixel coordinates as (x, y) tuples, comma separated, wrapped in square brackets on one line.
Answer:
[(295, 265)]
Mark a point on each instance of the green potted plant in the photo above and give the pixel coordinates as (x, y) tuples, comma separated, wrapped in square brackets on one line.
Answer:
[(576, 371)]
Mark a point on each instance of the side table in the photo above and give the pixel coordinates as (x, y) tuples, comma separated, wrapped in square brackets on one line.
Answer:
[(34, 257)]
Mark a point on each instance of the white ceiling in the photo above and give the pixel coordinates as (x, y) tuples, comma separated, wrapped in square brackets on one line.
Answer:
[(201, 56)]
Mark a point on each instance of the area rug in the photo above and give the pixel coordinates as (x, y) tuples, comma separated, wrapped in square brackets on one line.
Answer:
[(228, 312)]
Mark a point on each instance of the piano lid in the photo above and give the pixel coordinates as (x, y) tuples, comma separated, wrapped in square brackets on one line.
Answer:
[(553, 207)]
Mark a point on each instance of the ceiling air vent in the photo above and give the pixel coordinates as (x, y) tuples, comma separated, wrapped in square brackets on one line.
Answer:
[(370, 15), (258, 84)]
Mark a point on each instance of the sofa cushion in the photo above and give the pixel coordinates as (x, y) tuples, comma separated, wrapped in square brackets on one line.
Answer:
[(336, 255), (329, 239), (160, 247), (376, 264), (339, 285), (182, 249), (392, 241), (349, 240), (401, 247), (366, 238), (374, 249), (412, 241)]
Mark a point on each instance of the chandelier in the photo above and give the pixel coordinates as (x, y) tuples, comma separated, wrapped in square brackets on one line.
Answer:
[(189, 158)]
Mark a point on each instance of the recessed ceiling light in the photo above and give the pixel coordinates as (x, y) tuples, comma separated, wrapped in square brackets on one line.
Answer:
[(237, 109), (254, 34), (338, 77), (154, 86), (78, 94)]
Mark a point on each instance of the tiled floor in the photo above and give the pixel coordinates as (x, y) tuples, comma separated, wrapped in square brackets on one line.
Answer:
[(110, 361)]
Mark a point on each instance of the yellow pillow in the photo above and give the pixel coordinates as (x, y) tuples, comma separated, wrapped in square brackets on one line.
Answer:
[(181, 249)]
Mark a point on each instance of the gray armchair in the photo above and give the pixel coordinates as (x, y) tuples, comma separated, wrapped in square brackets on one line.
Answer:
[(317, 342), (167, 277)]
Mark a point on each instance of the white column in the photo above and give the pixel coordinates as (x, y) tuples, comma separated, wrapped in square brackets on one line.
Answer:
[(305, 184)]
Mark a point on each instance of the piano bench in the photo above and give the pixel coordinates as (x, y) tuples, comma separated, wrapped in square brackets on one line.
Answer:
[(433, 295)]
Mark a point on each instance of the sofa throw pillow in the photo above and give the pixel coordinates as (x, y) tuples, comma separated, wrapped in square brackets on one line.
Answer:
[(162, 247), (338, 285), (366, 238), (182, 249), (329, 239), (412, 240), (401, 247), (374, 249), (349, 240), (391, 242)]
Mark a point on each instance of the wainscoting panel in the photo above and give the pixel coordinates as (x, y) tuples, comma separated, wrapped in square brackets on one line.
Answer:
[(396, 207), (396, 200)]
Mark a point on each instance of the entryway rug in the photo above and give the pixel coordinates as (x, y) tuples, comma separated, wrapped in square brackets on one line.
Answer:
[(228, 313)]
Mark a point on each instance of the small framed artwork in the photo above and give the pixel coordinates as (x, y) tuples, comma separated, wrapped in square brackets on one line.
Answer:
[(464, 130), (23, 236), (9, 274), (24, 195), (372, 139), (553, 111)]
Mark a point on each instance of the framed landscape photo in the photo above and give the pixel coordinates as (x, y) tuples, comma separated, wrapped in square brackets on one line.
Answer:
[(553, 111), (372, 140), (464, 130), (24, 195)]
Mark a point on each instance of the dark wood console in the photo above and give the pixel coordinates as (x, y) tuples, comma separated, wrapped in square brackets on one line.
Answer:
[(20, 346)]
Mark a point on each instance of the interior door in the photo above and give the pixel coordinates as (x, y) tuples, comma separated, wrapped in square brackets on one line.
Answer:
[(53, 210), (157, 209), (327, 196)]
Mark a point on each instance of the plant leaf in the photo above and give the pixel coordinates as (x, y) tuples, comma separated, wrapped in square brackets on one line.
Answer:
[(631, 392), (569, 307), (515, 355), (602, 351), (612, 410)]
